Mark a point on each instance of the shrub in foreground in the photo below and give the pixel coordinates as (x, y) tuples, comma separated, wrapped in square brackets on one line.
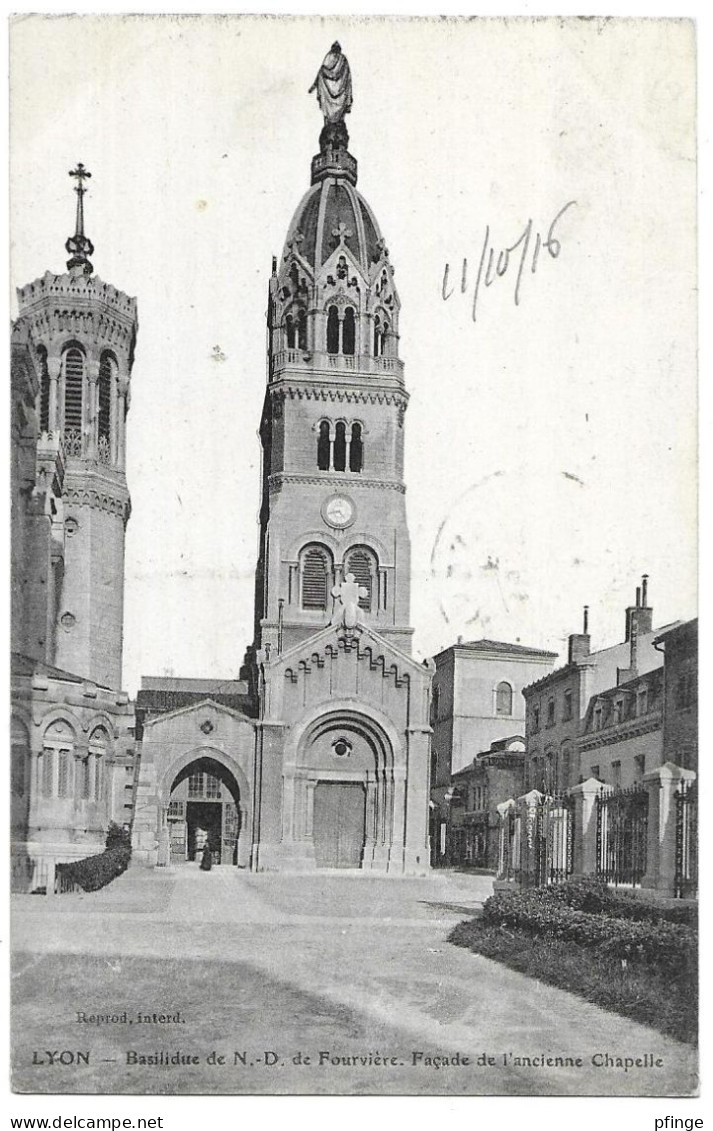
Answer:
[(94, 872)]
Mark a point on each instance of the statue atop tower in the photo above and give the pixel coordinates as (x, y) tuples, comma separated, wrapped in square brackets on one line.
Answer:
[(334, 94)]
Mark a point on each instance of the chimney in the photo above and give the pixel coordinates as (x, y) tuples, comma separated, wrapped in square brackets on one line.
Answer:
[(642, 614), (644, 591), (580, 642)]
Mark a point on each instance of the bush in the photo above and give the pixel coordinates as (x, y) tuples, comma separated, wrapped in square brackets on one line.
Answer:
[(94, 872), (586, 913)]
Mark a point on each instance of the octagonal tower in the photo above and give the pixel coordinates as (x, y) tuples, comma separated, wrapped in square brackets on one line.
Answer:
[(83, 334)]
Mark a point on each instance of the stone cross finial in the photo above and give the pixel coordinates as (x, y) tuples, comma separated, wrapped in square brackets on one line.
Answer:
[(342, 233), (346, 597), (80, 246)]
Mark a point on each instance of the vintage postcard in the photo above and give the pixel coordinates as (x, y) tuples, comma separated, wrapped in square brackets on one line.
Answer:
[(354, 615)]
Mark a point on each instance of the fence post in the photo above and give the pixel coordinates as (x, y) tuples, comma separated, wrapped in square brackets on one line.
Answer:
[(504, 861), (662, 784), (529, 807), (585, 825)]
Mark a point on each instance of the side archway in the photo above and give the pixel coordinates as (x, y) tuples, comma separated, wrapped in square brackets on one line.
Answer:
[(204, 798)]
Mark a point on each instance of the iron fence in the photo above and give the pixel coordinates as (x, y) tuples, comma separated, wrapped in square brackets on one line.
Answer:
[(686, 875), (538, 842), (622, 834)]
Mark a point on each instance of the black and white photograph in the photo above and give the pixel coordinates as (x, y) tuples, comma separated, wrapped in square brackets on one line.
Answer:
[(354, 622)]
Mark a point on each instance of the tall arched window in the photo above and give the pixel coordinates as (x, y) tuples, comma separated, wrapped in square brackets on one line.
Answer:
[(302, 330), (106, 373), (362, 564), (44, 389), (73, 400), (55, 765), (349, 332), (378, 338), (98, 750), (20, 754), (316, 573), (290, 331), (332, 330), (323, 446), (356, 449), (503, 699), (340, 446)]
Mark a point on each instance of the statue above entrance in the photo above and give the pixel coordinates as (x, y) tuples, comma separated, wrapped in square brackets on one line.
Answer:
[(346, 601), (334, 86)]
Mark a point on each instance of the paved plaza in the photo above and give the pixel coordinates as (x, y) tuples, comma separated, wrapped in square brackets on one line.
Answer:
[(179, 981)]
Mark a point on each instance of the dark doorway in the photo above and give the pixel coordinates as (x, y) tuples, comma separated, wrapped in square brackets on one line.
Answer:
[(339, 824), (205, 822)]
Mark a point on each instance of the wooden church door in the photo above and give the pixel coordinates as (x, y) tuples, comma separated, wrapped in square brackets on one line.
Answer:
[(339, 824)]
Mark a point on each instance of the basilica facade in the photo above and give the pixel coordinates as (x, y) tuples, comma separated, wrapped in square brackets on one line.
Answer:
[(318, 757)]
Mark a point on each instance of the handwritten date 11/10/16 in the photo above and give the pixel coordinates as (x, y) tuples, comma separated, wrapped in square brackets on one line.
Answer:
[(494, 264)]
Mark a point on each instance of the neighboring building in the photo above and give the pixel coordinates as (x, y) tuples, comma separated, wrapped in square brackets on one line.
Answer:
[(680, 710), (476, 701), (72, 742), (622, 731), (561, 706), (328, 760), (471, 836)]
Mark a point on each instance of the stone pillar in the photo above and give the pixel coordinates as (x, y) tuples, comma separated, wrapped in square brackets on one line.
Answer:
[(661, 785), (585, 825), (527, 807), (54, 368), (243, 857), (504, 861), (121, 423), (90, 414)]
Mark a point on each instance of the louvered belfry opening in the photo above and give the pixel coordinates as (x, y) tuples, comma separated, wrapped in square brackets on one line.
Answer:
[(315, 578), (356, 449), (73, 389), (44, 390), (105, 375), (323, 446), (340, 447), (360, 563)]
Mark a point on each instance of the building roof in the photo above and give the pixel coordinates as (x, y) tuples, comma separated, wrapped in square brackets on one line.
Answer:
[(159, 701), (500, 647), (25, 665)]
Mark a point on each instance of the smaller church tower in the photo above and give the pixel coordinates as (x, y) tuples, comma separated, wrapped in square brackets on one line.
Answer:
[(83, 334)]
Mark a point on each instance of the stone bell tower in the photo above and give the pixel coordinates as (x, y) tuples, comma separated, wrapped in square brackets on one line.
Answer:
[(83, 333), (332, 429)]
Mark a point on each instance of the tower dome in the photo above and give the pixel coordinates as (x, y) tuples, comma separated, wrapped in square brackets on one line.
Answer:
[(333, 208), (332, 295)]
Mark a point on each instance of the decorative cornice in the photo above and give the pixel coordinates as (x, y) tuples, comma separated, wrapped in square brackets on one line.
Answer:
[(311, 392), (98, 500), (276, 481), (610, 735)]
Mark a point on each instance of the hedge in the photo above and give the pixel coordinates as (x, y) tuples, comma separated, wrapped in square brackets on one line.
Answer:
[(94, 872), (584, 912)]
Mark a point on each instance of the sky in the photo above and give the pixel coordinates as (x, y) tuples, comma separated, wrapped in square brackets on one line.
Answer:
[(551, 443)]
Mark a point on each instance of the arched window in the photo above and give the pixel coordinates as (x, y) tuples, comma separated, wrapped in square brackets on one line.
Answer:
[(290, 331), (356, 449), (44, 389), (385, 338), (316, 573), (349, 332), (46, 771), (378, 340), (503, 699), (340, 446), (332, 330), (106, 374), (362, 564), (73, 400), (323, 446), (302, 330), (20, 754), (98, 750), (55, 762)]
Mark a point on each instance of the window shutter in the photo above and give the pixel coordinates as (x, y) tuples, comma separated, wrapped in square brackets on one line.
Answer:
[(314, 580)]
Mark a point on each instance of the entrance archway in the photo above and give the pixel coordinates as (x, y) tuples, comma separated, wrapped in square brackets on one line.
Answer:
[(344, 793), (204, 807)]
